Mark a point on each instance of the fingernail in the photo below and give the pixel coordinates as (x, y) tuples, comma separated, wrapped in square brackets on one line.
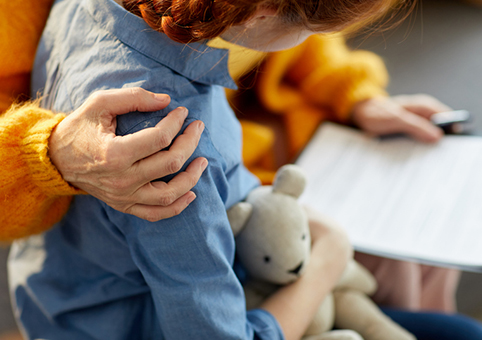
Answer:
[(162, 97), (183, 110), (191, 198), (204, 164), (200, 126)]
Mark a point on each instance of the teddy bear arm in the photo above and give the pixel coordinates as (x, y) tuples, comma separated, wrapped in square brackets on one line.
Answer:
[(324, 318), (357, 277), (356, 311), (342, 334)]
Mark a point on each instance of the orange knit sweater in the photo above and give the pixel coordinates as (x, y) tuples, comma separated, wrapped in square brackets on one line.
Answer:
[(33, 195), (320, 79)]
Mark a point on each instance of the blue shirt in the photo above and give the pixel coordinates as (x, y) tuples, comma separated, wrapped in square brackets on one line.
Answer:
[(101, 274)]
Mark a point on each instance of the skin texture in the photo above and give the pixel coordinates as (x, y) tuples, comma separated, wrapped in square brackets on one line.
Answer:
[(408, 114), (265, 32), (119, 169)]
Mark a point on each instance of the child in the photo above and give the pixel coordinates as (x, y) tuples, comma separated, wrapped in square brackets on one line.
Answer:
[(101, 274)]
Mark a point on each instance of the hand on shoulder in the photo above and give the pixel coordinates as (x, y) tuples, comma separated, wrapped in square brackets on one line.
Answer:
[(119, 170)]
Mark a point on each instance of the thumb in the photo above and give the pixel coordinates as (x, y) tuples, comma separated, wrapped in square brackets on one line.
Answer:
[(120, 101)]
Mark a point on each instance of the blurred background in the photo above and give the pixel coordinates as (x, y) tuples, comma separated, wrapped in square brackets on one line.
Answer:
[(437, 51)]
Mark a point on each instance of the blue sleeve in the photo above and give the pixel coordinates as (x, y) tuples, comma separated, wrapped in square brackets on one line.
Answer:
[(187, 262)]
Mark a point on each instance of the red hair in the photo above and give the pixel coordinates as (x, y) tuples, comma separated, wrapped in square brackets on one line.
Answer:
[(194, 20)]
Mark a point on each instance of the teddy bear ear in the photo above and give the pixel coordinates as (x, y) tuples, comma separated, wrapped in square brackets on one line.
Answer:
[(290, 180), (238, 216)]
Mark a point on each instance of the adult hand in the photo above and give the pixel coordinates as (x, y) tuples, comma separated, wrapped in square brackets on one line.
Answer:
[(408, 114), (119, 170)]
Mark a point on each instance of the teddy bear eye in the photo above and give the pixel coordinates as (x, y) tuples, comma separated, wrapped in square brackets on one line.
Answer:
[(303, 237), (267, 259)]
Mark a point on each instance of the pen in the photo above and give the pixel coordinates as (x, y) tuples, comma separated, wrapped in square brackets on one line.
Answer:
[(452, 122)]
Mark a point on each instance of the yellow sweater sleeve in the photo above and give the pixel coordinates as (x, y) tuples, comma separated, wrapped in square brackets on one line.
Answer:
[(20, 28), (33, 194), (323, 72)]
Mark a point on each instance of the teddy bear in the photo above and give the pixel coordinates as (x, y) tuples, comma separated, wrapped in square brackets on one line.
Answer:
[(273, 245)]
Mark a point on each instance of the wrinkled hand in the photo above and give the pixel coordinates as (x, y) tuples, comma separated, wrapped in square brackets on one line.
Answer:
[(119, 170), (408, 114)]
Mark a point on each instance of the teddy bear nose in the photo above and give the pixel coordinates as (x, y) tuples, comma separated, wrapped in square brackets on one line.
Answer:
[(297, 269)]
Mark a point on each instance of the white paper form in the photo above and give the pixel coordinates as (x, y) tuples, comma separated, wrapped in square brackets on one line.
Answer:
[(398, 197)]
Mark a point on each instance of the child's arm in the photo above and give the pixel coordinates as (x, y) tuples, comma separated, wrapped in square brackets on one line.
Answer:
[(295, 305)]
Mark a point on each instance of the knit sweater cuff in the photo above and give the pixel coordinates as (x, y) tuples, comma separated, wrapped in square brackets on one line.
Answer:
[(362, 91), (35, 154)]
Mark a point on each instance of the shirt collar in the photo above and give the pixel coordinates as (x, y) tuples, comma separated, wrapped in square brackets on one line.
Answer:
[(195, 61)]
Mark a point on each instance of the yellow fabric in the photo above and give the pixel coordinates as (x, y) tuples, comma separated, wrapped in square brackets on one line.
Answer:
[(318, 80), (33, 195), (241, 60), (21, 24)]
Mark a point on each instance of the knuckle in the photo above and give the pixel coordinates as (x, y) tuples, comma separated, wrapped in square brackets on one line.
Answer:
[(167, 198), (175, 163), (93, 104), (193, 179), (164, 140), (176, 210), (126, 209), (152, 216), (95, 96), (136, 91)]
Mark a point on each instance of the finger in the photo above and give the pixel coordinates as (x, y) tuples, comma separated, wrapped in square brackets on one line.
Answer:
[(120, 101), (164, 194), (171, 161), (146, 142), (422, 105), (157, 213), (419, 128)]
